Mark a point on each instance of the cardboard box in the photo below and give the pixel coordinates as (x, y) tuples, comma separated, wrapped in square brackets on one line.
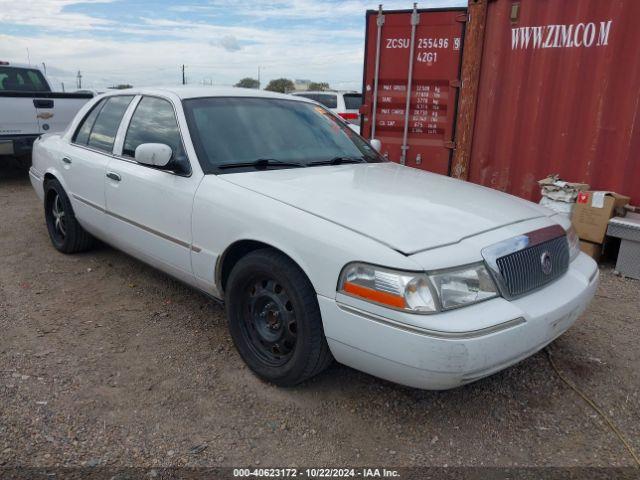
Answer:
[(594, 250), (559, 190), (593, 211)]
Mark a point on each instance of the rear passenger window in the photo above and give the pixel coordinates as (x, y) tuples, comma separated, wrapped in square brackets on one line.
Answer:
[(154, 121), (104, 129), (328, 100), (82, 134)]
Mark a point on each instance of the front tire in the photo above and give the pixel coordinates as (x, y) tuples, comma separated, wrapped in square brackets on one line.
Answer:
[(66, 234), (274, 319)]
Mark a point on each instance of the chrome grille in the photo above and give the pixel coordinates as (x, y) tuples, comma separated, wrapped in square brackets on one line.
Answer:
[(523, 271)]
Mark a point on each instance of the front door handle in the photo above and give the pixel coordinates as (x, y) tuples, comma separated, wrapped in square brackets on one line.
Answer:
[(66, 160), (114, 176)]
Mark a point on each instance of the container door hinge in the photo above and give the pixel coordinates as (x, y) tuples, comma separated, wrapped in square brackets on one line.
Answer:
[(450, 144), (455, 83)]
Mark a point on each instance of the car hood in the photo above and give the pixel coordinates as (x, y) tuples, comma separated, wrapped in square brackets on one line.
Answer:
[(407, 209)]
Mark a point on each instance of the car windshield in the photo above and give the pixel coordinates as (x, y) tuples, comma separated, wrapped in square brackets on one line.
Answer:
[(238, 132)]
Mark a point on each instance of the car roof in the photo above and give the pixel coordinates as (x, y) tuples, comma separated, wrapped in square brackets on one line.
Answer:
[(18, 65), (335, 92), (184, 92)]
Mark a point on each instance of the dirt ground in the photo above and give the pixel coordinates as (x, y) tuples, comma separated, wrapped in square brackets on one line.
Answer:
[(106, 361)]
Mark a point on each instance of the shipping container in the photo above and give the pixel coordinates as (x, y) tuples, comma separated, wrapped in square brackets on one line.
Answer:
[(558, 92), (416, 129), (521, 90)]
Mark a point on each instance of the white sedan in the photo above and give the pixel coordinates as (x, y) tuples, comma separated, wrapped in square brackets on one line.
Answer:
[(319, 247)]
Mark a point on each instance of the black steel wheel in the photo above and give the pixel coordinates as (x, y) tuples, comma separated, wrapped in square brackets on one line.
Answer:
[(274, 318), (66, 234), (269, 322)]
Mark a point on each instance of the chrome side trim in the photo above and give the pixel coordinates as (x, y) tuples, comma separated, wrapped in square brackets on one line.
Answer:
[(157, 233), (432, 333), (87, 202), (150, 230)]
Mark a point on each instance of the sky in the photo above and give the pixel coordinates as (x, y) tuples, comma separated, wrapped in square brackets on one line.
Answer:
[(145, 43)]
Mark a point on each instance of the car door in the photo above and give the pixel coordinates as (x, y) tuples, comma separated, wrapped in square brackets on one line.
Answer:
[(148, 208), (84, 160)]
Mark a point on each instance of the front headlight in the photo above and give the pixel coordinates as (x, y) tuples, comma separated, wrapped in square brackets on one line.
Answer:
[(463, 286), (574, 243), (417, 292), (396, 289)]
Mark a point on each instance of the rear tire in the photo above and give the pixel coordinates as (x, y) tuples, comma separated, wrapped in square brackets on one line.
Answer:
[(65, 232), (274, 319)]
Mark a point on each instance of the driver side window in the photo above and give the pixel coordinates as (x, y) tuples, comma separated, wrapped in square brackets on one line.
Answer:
[(154, 121)]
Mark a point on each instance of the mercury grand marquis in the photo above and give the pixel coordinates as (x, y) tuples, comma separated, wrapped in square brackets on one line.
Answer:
[(320, 248)]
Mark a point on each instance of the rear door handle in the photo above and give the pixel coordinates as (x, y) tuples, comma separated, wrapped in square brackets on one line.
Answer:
[(66, 160), (114, 176)]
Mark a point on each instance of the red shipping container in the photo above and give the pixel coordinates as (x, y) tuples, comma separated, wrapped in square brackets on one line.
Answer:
[(418, 133), (548, 86), (559, 92)]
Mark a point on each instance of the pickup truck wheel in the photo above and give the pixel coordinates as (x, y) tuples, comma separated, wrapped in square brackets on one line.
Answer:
[(66, 234), (274, 319)]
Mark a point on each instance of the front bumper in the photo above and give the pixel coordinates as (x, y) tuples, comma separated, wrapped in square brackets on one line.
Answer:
[(439, 358)]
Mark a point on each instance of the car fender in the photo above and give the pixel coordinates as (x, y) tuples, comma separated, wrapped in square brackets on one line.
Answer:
[(319, 247)]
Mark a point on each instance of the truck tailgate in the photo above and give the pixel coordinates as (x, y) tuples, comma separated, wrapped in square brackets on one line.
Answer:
[(17, 116)]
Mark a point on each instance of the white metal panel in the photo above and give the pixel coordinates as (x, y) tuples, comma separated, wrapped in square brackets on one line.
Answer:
[(17, 116), (406, 209)]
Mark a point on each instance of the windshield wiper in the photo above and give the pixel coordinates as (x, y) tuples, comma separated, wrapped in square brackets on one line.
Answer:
[(261, 164), (339, 160)]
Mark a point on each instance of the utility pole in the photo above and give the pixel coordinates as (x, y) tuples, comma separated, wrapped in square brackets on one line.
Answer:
[(79, 78), (184, 79), (259, 67), (44, 67)]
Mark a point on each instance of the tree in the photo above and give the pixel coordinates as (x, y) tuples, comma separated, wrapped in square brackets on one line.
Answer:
[(282, 85), (248, 82), (319, 86)]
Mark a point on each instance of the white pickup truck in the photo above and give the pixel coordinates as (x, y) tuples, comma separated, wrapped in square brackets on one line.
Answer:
[(28, 108)]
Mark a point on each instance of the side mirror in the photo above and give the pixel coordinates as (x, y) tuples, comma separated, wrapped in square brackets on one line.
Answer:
[(154, 154), (376, 144)]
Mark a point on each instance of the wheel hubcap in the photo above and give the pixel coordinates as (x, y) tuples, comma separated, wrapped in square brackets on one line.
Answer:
[(270, 324), (59, 218)]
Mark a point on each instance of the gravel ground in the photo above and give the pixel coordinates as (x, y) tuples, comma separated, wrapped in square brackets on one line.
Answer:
[(106, 361)]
